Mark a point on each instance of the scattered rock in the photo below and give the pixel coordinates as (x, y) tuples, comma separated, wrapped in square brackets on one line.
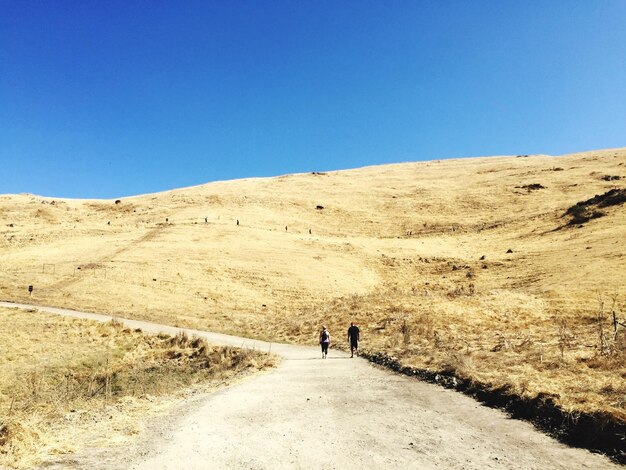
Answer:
[(482, 257), (531, 187), (509, 251), (319, 208), (611, 177), (117, 201)]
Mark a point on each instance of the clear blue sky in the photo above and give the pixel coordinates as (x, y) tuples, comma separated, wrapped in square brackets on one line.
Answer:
[(114, 98)]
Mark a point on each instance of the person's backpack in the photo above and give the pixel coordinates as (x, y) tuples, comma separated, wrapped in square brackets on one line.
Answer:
[(324, 336)]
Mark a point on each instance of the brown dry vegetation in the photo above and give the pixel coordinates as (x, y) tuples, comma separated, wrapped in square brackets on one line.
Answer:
[(63, 380), (471, 265)]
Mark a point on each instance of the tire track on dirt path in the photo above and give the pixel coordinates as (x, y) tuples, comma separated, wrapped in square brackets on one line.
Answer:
[(71, 279), (337, 413)]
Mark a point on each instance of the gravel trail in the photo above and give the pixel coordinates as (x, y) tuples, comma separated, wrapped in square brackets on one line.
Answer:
[(337, 413)]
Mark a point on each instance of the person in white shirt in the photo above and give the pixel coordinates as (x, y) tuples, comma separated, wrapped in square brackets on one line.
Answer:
[(324, 341)]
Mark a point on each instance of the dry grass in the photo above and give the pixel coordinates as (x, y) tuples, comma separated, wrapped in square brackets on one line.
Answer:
[(396, 246), (501, 339), (62, 378)]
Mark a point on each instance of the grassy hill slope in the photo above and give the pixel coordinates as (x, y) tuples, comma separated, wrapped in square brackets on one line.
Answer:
[(470, 265)]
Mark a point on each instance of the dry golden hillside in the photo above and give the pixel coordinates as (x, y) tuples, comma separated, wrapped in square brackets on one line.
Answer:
[(468, 265)]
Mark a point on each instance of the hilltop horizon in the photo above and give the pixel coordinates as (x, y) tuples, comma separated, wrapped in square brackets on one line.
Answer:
[(375, 165)]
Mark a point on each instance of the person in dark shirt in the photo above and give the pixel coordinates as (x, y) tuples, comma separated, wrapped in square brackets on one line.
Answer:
[(353, 338)]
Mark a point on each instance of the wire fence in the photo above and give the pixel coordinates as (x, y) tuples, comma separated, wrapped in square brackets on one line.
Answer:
[(48, 277)]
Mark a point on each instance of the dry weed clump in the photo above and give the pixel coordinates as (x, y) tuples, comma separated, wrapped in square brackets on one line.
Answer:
[(86, 367)]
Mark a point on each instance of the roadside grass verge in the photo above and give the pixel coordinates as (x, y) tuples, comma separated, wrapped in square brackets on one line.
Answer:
[(57, 372)]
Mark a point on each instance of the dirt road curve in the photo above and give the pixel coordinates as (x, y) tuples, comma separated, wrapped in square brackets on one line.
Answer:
[(338, 413)]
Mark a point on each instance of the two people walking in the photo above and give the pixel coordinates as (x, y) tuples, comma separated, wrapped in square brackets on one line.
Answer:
[(353, 338)]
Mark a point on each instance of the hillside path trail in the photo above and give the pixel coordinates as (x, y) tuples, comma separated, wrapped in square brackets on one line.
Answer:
[(336, 413)]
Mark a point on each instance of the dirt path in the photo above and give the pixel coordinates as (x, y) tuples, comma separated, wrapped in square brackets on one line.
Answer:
[(335, 413), (150, 235)]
